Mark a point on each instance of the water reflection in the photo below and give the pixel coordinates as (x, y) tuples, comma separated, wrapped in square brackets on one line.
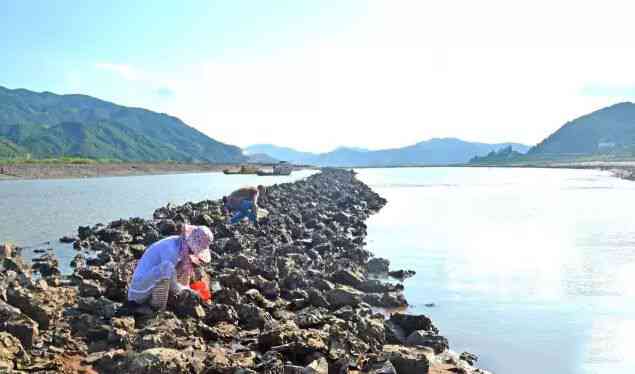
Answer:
[(527, 267)]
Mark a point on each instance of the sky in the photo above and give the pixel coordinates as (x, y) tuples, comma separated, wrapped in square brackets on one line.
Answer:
[(318, 74)]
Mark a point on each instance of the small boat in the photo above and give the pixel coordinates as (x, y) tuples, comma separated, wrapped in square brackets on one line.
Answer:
[(243, 170), (264, 173), (282, 168)]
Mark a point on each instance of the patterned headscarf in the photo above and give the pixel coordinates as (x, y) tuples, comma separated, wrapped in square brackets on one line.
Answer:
[(195, 242)]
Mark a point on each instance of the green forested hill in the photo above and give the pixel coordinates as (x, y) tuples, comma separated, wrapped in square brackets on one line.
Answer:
[(606, 134), (49, 125), (608, 131)]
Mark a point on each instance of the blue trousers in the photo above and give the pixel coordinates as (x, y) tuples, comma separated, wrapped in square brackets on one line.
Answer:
[(244, 209)]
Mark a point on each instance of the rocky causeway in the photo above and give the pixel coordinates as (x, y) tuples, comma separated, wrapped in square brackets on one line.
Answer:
[(299, 293)]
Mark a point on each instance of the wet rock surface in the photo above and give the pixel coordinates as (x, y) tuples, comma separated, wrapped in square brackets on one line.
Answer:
[(298, 294)]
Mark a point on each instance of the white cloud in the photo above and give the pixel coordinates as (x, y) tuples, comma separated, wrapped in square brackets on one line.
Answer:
[(407, 71), (123, 70)]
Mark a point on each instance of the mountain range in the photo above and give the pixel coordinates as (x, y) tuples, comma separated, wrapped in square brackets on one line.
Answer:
[(48, 125), (42, 125), (430, 152)]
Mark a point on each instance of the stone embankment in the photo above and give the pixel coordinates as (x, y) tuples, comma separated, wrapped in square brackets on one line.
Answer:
[(298, 294)]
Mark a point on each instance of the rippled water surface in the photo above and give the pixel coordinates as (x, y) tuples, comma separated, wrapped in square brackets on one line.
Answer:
[(531, 269), (36, 211)]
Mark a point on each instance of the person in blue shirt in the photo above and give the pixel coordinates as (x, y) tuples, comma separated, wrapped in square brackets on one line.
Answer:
[(244, 203)]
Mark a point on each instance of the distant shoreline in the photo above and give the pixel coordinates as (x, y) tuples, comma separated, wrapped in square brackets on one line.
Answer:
[(620, 169), (31, 171), (34, 170)]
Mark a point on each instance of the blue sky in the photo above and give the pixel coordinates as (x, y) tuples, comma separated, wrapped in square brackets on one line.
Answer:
[(52, 44), (319, 74)]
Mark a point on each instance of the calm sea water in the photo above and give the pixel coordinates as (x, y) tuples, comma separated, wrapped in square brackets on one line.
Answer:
[(533, 270), (33, 212)]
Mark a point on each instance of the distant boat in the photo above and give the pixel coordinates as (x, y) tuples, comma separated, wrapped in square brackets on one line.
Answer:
[(243, 170), (264, 173), (281, 169)]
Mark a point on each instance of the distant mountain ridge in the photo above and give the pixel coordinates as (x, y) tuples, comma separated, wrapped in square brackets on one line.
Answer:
[(49, 125), (433, 151)]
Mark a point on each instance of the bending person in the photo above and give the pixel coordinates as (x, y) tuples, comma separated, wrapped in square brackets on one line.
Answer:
[(244, 203), (167, 266)]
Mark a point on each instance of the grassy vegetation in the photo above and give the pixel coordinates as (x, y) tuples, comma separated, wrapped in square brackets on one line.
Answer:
[(57, 160)]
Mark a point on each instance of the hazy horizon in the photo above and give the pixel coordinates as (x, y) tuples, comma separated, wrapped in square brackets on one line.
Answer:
[(375, 75)]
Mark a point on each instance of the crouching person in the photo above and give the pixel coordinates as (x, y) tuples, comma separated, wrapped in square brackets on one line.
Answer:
[(167, 266), (244, 203)]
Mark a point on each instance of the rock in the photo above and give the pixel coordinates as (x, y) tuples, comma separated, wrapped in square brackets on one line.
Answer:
[(269, 289), (277, 335), (6, 251), (8, 312), (90, 288), (227, 296), (203, 219), (348, 277), (323, 285), (166, 330), (394, 333), (426, 339), (16, 264), (223, 331), (233, 245), (23, 328), (123, 323), (110, 235), (11, 351), (218, 360), (380, 367), (407, 360), (317, 299), (372, 331), (188, 304), (344, 296), (235, 281), (393, 300), (101, 306), (378, 265), (111, 361), (67, 239), (411, 323), (242, 261), (168, 227), (402, 274), (318, 366), (151, 236), (79, 261), (470, 358), (158, 360), (84, 232), (341, 218), (310, 317), (41, 308), (252, 317), (220, 313)]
